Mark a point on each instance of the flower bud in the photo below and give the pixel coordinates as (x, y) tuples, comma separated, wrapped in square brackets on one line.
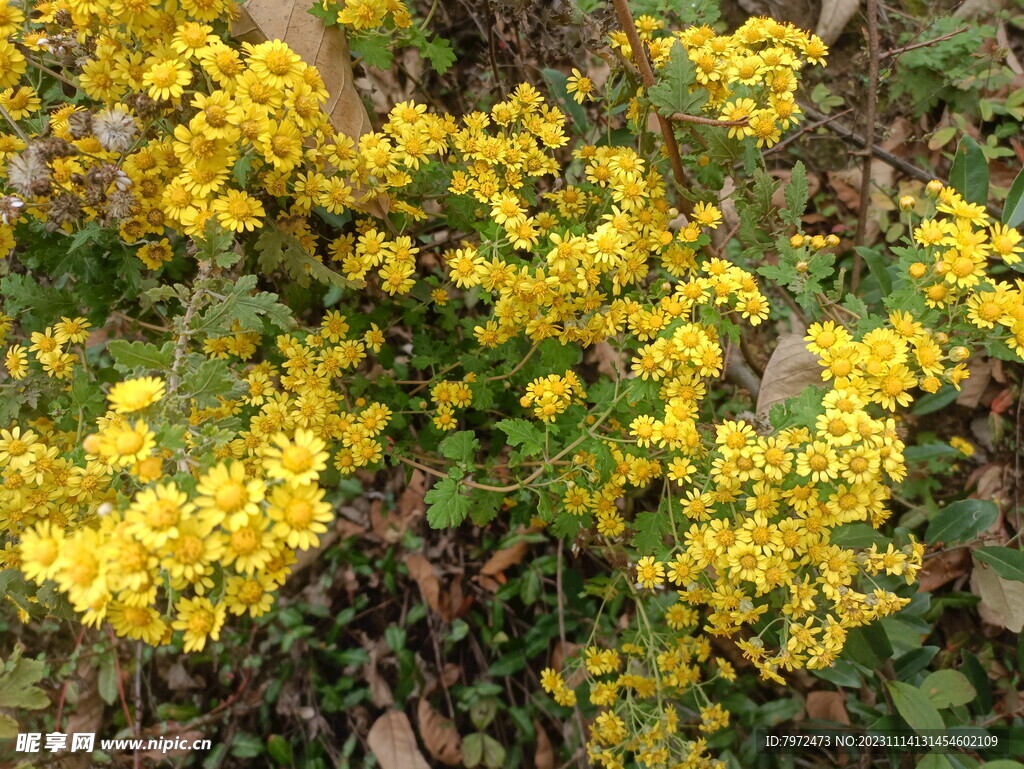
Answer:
[(941, 338), (907, 203), (959, 353), (934, 188), (802, 267), (796, 241), (832, 241), (917, 270), (817, 242)]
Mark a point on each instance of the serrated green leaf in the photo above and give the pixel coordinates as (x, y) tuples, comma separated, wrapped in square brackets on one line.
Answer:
[(438, 51), (448, 505), (16, 686), (375, 49), (648, 530), (961, 521), (460, 446), (129, 356), (526, 435), (969, 173), (208, 380), (672, 92), (877, 266), (915, 707), (245, 306), (796, 195), (1007, 562)]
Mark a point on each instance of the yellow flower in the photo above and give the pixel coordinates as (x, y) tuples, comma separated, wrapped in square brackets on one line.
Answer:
[(167, 78), (228, 496), (135, 394), (300, 514), (298, 460), (650, 573), (238, 211), (201, 620)]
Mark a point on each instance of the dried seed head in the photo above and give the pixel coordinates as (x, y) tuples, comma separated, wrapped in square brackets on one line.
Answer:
[(80, 124), (64, 208), (114, 128), (28, 173)]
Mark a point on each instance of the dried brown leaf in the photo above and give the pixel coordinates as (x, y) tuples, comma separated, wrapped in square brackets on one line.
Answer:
[(393, 742), (421, 570), (324, 47), (439, 735), (504, 559), (544, 755), (943, 568), (1002, 600), (828, 706), (975, 385), (791, 368)]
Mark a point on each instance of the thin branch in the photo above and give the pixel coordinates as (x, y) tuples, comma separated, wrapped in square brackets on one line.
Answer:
[(647, 78), (888, 158), (869, 136), (684, 117), (14, 124), (902, 50)]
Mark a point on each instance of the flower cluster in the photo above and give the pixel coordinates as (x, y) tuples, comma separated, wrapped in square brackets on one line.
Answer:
[(360, 15), (120, 527), (750, 76), (50, 349), (551, 395)]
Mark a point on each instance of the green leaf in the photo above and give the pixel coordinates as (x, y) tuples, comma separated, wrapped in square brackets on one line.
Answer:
[(648, 530), (8, 728), (106, 682), (1007, 562), (461, 446), (969, 174), (526, 435), (208, 380), (961, 520), (247, 307), (796, 195), (1013, 209), (875, 261), (280, 750), (672, 92), (869, 645), (448, 506), (241, 170), (374, 48), (277, 248), (948, 688), (16, 686), (915, 707), (438, 51), (129, 356)]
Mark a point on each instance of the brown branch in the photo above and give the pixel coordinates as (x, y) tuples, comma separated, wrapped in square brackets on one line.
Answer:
[(888, 158), (647, 78), (683, 117), (869, 136), (902, 50)]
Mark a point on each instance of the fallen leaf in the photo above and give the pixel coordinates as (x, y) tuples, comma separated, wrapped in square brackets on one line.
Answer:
[(324, 47), (791, 368), (544, 756), (410, 504), (380, 692), (943, 568), (504, 559), (439, 735), (393, 742), (828, 706), (833, 18), (1002, 600), (421, 570), (975, 385)]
